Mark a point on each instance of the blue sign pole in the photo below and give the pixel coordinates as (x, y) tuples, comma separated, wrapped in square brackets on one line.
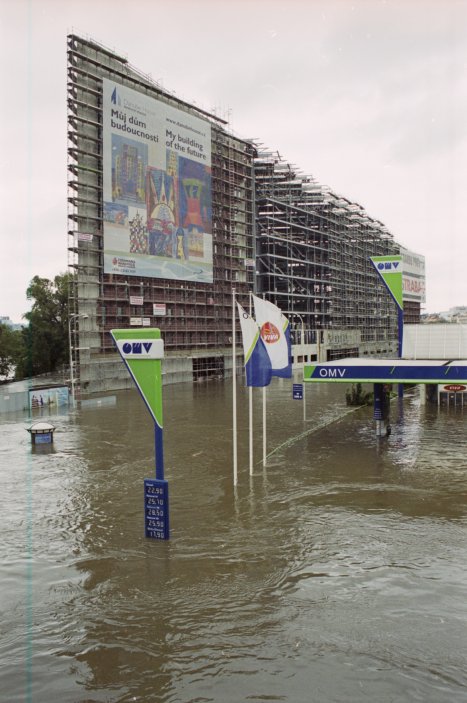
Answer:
[(400, 330), (378, 412), (142, 351), (389, 269), (378, 401), (159, 451)]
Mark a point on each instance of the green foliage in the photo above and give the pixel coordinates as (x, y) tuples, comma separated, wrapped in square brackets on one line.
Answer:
[(356, 396), (45, 338), (11, 348)]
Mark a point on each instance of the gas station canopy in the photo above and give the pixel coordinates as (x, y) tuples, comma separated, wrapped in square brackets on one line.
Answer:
[(355, 370)]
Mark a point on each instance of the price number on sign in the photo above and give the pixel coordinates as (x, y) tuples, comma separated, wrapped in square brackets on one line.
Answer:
[(156, 508)]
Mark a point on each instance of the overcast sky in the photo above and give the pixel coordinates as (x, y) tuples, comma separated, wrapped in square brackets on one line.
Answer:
[(369, 97)]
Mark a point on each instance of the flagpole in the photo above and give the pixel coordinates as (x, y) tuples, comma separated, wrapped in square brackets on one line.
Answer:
[(264, 425), (250, 420), (304, 401), (264, 419), (302, 345), (250, 425), (234, 391)]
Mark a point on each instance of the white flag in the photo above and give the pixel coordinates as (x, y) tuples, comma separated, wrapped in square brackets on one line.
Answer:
[(271, 324)]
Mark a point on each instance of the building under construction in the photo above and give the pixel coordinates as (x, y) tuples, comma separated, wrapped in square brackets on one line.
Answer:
[(313, 261), (194, 316), (168, 215)]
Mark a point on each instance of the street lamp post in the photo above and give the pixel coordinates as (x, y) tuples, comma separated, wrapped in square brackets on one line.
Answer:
[(76, 315), (72, 373)]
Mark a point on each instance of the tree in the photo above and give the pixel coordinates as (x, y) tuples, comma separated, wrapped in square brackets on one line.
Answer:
[(46, 336), (11, 348)]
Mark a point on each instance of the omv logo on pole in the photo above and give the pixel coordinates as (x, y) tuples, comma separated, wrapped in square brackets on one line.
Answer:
[(390, 269), (141, 348)]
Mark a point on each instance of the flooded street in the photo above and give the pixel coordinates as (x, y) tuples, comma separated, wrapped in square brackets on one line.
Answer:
[(337, 573)]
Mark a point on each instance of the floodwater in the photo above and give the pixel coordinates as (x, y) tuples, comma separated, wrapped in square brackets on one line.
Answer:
[(336, 573)]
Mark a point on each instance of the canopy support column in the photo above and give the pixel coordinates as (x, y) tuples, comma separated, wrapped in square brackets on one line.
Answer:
[(381, 409)]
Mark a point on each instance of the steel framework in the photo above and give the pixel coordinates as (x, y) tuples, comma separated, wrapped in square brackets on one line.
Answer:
[(313, 249)]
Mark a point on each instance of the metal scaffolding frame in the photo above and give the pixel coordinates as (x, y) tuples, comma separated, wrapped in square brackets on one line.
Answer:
[(313, 249), (275, 231), (198, 316)]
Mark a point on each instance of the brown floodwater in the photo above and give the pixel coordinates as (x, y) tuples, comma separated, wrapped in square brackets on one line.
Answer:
[(337, 573)]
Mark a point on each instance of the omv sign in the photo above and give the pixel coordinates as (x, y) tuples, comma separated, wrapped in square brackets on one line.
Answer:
[(331, 373), (137, 347), (141, 348), (388, 266)]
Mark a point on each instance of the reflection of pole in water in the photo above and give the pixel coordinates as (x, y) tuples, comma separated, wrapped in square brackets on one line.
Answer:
[(297, 438), (400, 408)]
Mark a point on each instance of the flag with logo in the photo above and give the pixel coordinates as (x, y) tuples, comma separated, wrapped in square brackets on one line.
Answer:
[(257, 363), (275, 333), (286, 329)]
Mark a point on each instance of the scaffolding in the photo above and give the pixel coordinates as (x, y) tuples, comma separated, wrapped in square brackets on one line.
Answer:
[(195, 318), (275, 231), (313, 249)]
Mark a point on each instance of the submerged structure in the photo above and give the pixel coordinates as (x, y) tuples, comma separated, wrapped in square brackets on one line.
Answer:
[(432, 356), (169, 212)]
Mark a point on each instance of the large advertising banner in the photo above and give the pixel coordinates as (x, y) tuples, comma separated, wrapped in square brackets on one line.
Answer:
[(157, 188), (413, 276)]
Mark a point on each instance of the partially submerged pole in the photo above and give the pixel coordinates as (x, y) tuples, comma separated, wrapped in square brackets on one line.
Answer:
[(381, 409), (234, 392)]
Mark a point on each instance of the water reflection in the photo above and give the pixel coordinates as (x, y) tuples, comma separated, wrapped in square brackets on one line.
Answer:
[(335, 573)]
